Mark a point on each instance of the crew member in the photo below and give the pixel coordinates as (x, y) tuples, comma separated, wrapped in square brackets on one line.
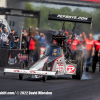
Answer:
[(67, 33), (96, 50), (32, 44), (87, 45), (82, 37), (74, 44), (70, 36), (13, 39)]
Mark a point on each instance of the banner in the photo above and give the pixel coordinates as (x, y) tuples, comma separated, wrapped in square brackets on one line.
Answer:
[(15, 56), (11, 58)]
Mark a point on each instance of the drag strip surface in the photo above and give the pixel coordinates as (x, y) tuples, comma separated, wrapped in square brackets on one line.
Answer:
[(62, 88)]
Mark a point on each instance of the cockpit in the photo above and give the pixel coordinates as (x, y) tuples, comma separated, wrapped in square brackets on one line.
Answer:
[(53, 51)]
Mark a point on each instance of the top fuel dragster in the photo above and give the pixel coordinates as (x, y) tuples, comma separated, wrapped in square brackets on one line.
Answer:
[(58, 59)]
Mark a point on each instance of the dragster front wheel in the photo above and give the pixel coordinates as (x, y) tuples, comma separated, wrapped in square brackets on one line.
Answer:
[(44, 78), (20, 76), (22, 66)]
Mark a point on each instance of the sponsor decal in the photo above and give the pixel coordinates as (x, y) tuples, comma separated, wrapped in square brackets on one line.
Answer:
[(89, 42), (74, 43), (72, 17), (97, 43), (16, 70), (60, 68), (70, 69), (36, 72), (22, 57), (32, 72)]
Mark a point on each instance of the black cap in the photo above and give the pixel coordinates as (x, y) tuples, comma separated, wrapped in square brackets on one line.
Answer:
[(12, 30)]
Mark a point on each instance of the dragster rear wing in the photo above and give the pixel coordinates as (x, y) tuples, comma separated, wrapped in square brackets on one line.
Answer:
[(70, 18)]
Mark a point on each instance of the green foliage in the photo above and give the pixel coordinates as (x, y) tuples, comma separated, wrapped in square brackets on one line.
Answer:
[(58, 24), (30, 21)]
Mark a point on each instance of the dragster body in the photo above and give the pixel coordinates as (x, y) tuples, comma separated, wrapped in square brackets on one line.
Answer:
[(58, 59), (54, 61)]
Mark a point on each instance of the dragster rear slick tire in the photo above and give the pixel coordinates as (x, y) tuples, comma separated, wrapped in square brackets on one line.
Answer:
[(22, 66), (79, 69)]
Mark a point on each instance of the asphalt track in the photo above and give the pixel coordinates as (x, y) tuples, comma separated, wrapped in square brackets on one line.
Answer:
[(62, 88)]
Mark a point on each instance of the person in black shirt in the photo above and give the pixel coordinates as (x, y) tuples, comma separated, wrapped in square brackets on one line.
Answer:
[(13, 39), (24, 40)]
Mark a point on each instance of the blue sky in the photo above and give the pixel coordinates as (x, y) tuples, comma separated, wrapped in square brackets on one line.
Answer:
[(59, 6)]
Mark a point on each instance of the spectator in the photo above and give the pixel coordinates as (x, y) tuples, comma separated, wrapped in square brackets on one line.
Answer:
[(87, 45), (0, 30), (24, 31), (0, 34), (37, 49), (24, 40), (32, 48), (4, 36), (43, 40), (28, 40), (37, 36), (5, 31), (13, 39)]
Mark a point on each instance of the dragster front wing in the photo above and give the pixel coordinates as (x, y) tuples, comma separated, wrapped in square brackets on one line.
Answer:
[(21, 71)]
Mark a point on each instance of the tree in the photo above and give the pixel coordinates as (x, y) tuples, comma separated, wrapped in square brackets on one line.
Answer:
[(57, 25), (30, 21)]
